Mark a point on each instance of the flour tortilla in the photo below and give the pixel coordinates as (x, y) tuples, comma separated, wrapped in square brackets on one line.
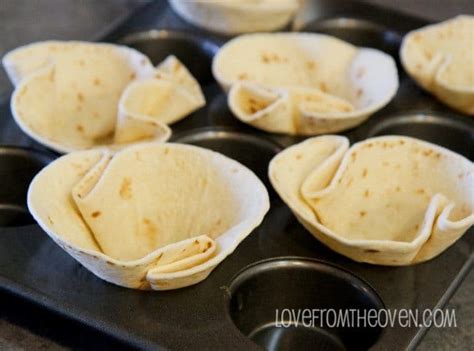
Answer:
[(388, 200), (152, 216), (236, 16), (440, 58), (319, 84), (67, 94)]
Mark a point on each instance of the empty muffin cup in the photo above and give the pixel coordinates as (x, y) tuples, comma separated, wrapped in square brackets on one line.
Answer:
[(358, 32), (17, 167), (194, 52), (293, 303), (453, 134), (250, 150)]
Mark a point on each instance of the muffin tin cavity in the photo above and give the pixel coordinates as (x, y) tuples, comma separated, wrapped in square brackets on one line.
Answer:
[(261, 295), (17, 167), (358, 32), (250, 150), (451, 133), (194, 52)]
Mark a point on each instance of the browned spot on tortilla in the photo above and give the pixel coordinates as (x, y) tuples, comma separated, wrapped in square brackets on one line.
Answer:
[(95, 114), (360, 72), (255, 105), (176, 67), (427, 152), (353, 156), (150, 228), (362, 213), (96, 81), (323, 87), (417, 227), (359, 92), (81, 63), (366, 193), (417, 37), (50, 220), (126, 189), (79, 128), (428, 55), (371, 251), (311, 64), (80, 97), (418, 66), (133, 75), (385, 163), (196, 242), (298, 156), (166, 151), (350, 181), (420, 191), (208, 245), (402, 142), (242, 76), (364, 173), (397, 189), (438, 155), (159, 257), (265, 58), (96, 214)]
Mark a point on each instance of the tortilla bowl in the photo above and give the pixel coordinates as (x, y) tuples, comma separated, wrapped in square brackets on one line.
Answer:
[(236, 16), (440, 58), (77, 95), (303, 83), (388, 200), (151, 216)]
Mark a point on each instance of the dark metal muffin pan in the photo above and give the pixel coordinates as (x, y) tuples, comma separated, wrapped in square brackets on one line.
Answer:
[(261, 297), (18, 166), (203, 316)]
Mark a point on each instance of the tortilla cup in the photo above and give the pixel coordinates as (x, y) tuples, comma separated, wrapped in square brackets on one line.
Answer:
[(75, 95), (151, 216), (303, 83), (388, 200), (440, 58), (236, 16)]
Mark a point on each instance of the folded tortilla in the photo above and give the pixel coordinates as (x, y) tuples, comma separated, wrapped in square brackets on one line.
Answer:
[(78, 95), (303, 83), (388, 200), (151, 216), (440, 58), (236, 16)]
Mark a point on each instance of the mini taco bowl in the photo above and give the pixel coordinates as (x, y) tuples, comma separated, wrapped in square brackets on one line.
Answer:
[(439, 57), (234, 17), (303, 83), (388, 200), (151, 216), (70, 95)]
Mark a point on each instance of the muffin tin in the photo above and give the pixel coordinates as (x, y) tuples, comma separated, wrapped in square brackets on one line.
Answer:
[(280, 265)]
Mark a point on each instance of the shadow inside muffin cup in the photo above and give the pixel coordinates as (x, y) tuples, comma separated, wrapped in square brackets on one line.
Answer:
[(448, 132), (358, 32), (193, 51), (264, 299), (252, 151), (18, 166)]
